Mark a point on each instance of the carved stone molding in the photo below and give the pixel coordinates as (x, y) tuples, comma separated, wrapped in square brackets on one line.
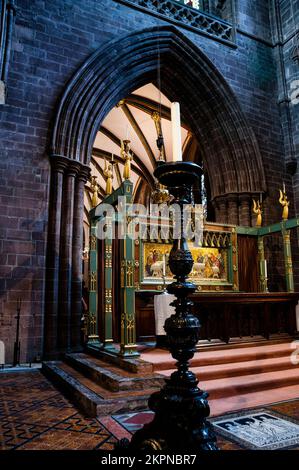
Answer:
[(7, 15), (187, 17), (62, 163)]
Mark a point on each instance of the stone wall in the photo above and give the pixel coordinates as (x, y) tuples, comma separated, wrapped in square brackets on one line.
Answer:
[(51, 39)]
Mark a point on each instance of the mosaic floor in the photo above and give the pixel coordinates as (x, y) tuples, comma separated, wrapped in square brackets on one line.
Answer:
[(35, 416)]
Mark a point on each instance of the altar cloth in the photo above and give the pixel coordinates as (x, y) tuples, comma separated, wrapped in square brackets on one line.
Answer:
[(162, 311)]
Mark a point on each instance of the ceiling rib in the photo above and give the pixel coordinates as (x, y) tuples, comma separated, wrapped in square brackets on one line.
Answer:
[(146, 174), (100, 153), (140, 134), (149, 106)]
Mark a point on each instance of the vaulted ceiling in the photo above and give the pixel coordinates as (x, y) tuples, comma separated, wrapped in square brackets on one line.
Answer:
[(132, 119)]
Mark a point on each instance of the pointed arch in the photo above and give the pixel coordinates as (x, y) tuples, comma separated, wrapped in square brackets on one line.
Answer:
[(231, 151)]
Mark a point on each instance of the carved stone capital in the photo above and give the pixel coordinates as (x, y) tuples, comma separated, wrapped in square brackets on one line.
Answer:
[(73, 168), (232, 199), (59, 163), (245, 198)]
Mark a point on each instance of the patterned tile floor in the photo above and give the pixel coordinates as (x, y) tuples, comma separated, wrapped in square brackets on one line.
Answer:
[(35, 416)]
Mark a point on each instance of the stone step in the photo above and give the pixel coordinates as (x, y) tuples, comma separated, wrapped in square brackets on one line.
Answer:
[(219, 406), (131, 364), (234, 386), (236, 369), (162, 360), (110, 376), (90, 397)]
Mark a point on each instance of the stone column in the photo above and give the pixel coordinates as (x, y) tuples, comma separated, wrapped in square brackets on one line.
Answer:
[(77, 247), (245, 210), (66, 257), (53, 257), (233, 212), (221, 210)]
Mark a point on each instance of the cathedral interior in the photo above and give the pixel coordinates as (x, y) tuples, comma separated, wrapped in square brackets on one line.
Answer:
[(149, 252)]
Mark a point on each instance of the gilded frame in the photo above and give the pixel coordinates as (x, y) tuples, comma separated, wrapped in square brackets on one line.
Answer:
[(215, 262)]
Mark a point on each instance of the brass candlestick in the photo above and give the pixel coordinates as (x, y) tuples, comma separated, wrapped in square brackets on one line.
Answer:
[(180, 407)]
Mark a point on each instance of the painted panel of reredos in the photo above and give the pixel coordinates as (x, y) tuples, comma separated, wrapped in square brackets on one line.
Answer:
[(210, 264)]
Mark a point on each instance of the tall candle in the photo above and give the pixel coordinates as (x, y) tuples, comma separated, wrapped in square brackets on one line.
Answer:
[(265, 269), (284, 188), (176, 132), (164, 265)]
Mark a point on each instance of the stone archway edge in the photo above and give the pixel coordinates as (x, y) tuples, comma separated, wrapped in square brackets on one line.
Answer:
[(110, 73), (231, 152)]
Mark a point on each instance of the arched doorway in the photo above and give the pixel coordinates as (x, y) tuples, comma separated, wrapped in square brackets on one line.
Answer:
[(228, 147)]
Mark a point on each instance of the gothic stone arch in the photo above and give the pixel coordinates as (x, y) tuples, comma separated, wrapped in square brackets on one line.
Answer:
[(230, 150)]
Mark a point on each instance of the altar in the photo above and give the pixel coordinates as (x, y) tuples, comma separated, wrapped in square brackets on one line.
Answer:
[(230, 270), (230, 318)]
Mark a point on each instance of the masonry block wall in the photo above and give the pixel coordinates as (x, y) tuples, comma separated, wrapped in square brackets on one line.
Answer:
[(51, 39), (289, 18)]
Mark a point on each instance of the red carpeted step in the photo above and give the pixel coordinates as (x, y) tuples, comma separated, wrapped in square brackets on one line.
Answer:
[(162, 360), (219, 371), (252, 400), (233, 386)]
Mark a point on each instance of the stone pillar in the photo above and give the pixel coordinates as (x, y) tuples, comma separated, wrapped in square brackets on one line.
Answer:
[(216, 210), (245, 210), (53, 258), (77, 247), (221, 210), (66, 257), (233, 212)]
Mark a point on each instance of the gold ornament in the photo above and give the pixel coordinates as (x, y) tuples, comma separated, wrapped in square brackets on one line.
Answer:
[(160, 142), (160, 195), (94, 188), (128, 157), (283, 199), (257, 209), (108, 173)]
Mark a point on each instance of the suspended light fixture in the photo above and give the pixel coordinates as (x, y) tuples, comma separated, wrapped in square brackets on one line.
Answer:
[(295, 50)]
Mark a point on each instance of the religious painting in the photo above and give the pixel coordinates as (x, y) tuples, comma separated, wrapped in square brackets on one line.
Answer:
[(210, 264), (155, 261), (215, 261)]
